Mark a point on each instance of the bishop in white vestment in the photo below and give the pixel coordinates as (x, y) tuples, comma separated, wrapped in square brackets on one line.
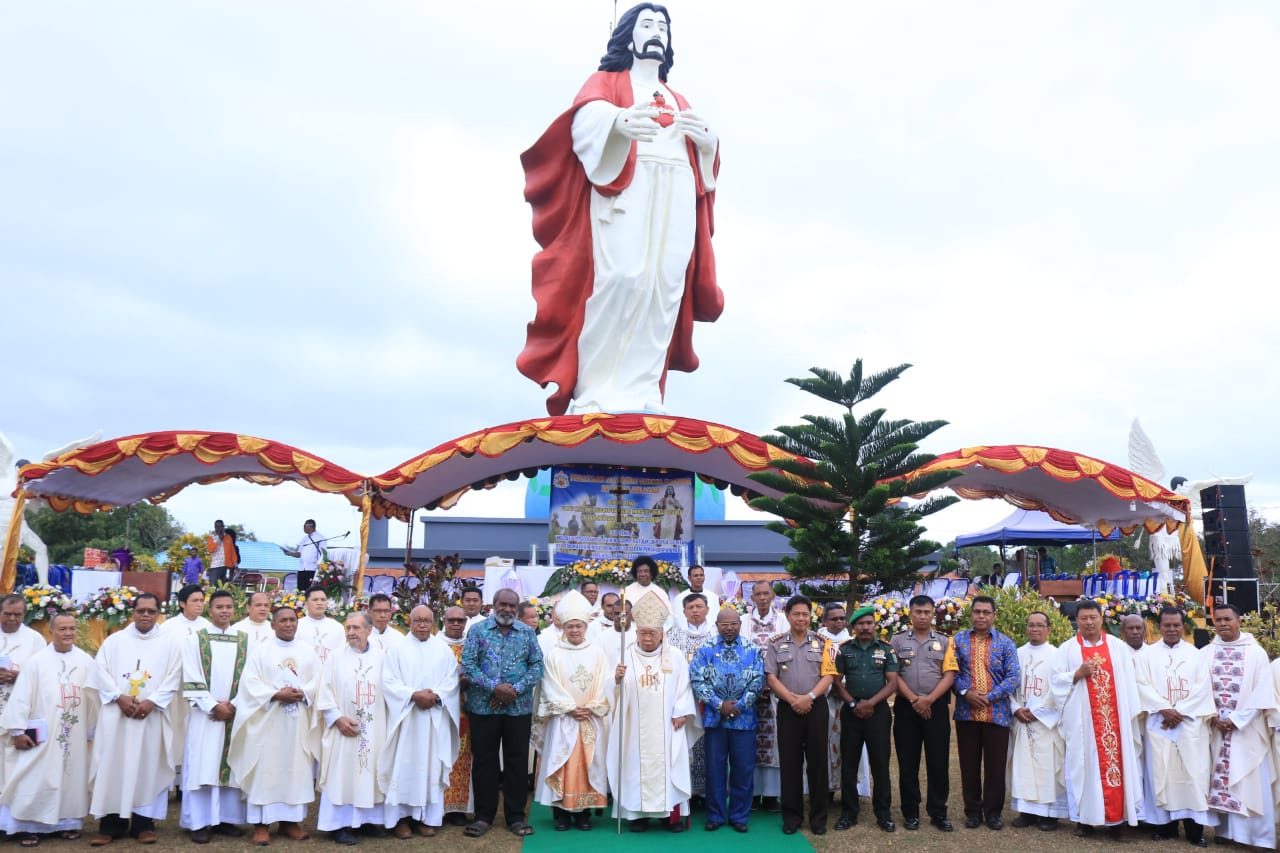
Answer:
[(275, 737), (47, 787), (137, 676), (355, 726), (1173, 681), (1036, 746), (653, 724), (1240, 784), (213, 661), (573, 705), (420, 689), (1095, 689)]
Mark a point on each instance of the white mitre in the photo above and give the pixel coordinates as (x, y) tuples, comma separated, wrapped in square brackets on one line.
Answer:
[(650, 610), (573, 606)]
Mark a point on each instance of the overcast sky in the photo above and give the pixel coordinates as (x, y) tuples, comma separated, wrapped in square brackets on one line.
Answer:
[(304, 221)]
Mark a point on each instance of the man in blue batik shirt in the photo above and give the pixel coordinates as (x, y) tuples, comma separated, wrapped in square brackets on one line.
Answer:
[(727, 676), (503, 663)]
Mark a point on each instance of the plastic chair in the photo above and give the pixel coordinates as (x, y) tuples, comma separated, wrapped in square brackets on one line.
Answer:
[(1011, 580), (291, 580), (936, 588), (252, 580), (957, 588)]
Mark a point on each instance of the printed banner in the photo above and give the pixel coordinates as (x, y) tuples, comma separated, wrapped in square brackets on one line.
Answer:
[(602, 513)]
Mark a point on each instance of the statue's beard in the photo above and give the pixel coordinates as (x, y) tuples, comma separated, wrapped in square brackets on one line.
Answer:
[(652, 49)]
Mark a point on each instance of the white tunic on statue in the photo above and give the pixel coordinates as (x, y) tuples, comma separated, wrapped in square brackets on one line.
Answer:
[(1037, 749), (351, 687), (1241, 798), (642, 241), (134, 760), (1177, 760), (47, 788), (209, 796), (257, 632), (421, 744), (1081, 769), (324, 636), (15, 650), (273, 745), (573, 677), (655, 758)]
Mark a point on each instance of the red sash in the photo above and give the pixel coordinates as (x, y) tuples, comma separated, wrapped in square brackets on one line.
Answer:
[(1106, 728)]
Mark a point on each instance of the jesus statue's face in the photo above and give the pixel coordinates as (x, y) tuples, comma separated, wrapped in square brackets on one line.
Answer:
[(649, 38)]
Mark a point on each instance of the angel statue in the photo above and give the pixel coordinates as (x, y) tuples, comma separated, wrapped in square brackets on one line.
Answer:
[(9, 465), (1164, 546)]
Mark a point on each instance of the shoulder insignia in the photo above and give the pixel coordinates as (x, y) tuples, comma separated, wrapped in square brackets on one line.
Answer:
[(776, 637)]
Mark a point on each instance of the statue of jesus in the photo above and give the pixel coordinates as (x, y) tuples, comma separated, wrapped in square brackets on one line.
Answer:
[(622, 187)]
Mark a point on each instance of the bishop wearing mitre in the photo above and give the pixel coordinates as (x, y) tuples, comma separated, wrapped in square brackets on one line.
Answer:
[(573, 706), (420, 689), (653, 724), (275, 739)]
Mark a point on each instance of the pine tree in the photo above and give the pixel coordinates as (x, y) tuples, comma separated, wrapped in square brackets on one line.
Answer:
[(840, 502)]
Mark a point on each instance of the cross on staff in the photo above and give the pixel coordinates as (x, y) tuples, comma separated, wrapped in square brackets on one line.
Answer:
[(617, 492)]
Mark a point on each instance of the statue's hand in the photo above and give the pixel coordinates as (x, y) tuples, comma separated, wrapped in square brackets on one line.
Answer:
[(637, 123), (694, 127)]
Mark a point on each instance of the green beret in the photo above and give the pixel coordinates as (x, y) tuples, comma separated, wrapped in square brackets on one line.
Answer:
[(860, 612)]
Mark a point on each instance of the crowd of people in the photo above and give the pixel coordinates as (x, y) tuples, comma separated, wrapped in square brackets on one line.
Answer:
[(630, 702)]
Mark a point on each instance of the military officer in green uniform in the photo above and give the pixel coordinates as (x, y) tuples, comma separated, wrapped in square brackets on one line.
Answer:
[(870, 670), (799, 666)]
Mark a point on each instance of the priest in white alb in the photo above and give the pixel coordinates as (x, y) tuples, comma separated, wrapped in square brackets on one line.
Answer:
[(1037, 789), (420, 689), (687, 633), (187, 621), (1173, 681), (18, 643), (137, 675), (275, 738), (257, 624), (573, 706), (317, 629), (354, 719), (1241, 798), (654, 722), (213, 661), (1094, 686), (47, 788)]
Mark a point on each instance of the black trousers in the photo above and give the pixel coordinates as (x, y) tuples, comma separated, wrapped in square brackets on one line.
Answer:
[(977, 743), (510, 734), (118, 826), (803, 739), (1193, 830), (873, 734), (911, 734)]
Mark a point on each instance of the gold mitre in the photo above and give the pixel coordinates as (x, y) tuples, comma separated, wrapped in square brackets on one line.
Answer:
[(573, 606), (650, 610)]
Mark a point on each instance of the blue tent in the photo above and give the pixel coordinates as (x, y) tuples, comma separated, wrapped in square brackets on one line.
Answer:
[(1031, 527)]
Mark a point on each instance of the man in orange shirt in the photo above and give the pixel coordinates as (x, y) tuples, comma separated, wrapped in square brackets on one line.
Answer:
[(223, 556)]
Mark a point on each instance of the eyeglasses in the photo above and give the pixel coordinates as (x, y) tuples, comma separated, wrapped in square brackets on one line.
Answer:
[(455, 620), (141, 612)]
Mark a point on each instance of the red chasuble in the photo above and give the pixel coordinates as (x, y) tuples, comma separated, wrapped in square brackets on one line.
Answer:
[(1106, 728)]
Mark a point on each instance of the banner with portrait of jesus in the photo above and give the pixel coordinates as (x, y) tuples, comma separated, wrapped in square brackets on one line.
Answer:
[(604, 513)]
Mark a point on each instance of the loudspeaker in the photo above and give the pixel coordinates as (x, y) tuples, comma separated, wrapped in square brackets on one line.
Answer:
[(1241, 592), (1221, 497), (1225, 518), (1230, 565), (1229, 543)]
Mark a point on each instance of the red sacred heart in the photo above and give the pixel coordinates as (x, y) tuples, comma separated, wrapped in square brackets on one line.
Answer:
[(666, 115)]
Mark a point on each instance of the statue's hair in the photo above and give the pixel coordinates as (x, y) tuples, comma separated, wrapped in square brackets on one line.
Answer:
[(618, 56)]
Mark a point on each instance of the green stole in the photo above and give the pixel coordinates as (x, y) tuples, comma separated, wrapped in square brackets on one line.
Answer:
[(204, 641)]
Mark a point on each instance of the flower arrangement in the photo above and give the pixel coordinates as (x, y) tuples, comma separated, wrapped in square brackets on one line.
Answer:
[(1115, 608), (170, 607), (340, 610), (613, 572), (1149, 608), (735, 604), (43, 601), (891, 615), (113, 606), (296, 600), (333, 577), (951, 614)]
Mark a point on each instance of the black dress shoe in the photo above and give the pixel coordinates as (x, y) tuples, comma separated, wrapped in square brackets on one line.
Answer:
[(995, 823), (344, 836), (820, 829), (972, 822), (229, 829), (200, 836), (678, 826), (943, 824), (1047, 824), (771, 805), (787, 829), (583, 821), (887, 825), (712, 827), (739, 827), (1022, 820), (1200, 842), (912, 823), (1159, 836), (562, 823), (846, 823), (640, 825)]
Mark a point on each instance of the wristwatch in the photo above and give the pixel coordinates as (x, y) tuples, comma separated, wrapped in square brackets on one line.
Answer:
[(962, 692), (812, 698)]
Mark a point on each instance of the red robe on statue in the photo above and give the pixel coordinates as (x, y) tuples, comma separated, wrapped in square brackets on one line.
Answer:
[(557, 189)]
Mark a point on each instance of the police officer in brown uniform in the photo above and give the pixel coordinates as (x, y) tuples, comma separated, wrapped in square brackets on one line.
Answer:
[(921, 715), (799, 666)]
